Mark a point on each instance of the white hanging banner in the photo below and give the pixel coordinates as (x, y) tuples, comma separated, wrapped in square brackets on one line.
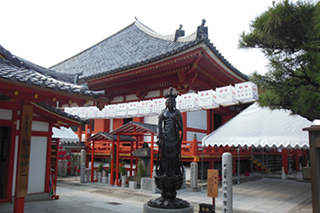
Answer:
[(159, 104), (247, 92), (102, 113), (83, 112), (189, 102), (122, 110), (92, 112), (133, 109), (111, 111), (226, 96), (145, 108), (207, 99)]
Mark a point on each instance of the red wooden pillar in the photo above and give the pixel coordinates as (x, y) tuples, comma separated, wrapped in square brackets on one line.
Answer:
[(234, 166), (80, 132), (117, 161), (131, 159), (184, 121), (151, 155), (111, 166), (305, 157), (88, 130), (137, 158), (22, 174), (48, 166), (284, 157), (212, 164)]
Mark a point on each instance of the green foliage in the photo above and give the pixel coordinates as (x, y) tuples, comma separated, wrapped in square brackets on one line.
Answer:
[(289, 36), (122, 168), (142, 172), (100, 168)]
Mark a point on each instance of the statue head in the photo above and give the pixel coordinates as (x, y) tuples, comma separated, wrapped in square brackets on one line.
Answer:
[(171, 99)]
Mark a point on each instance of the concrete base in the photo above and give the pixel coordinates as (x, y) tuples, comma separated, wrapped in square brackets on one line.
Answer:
[(149, 209)]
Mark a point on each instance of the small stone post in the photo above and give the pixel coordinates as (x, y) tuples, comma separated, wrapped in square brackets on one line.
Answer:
[(194, 175)]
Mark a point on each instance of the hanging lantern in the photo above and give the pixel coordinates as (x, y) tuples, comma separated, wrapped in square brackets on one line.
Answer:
[(122, 110), (247, 92), (83, 112), (145, 108), (74, 111), (111, 111), (189, 102), (133, 109), (92, 112), (226, 96), (159, 104), (207, 99), (102, 113)]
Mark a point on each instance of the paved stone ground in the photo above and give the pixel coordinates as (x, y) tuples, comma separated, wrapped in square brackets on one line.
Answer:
[(261, 195)]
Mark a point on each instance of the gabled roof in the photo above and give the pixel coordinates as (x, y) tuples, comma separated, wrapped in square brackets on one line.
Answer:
[(262, 127), (16, 69), (131, 47), (135, 128), (106, 136)]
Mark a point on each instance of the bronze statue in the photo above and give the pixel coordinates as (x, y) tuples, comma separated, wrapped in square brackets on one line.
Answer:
[(170, 133), (169, 168)]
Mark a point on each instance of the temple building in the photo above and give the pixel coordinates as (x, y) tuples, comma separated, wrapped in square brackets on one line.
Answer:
[(137, 64), (29, 96)]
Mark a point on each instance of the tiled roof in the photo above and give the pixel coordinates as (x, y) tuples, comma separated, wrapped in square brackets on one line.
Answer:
[(107, 136), (136, 127), (19, 70), (61, 113), (133, 46)]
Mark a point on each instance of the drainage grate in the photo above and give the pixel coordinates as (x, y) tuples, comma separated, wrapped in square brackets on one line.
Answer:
[(114, 203)]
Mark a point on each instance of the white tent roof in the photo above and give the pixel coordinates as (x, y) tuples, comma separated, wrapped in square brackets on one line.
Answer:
[(262, 127), (65, 134)]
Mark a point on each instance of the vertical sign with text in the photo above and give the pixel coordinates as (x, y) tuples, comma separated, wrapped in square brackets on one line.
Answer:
[(213, 183), (24, 151)]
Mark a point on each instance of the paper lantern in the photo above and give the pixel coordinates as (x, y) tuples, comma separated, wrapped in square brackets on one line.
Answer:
[(159, 104), (92, 112), (247, 92), (133, 109), (122, 110), (102, 113), (83, 112), (189, 102), (145, 108), (111, 111), (207, 99), (67, 110), (226, 96)]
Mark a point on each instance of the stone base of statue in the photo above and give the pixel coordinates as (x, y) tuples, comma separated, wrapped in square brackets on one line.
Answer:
[(150, 209), (168, 200)]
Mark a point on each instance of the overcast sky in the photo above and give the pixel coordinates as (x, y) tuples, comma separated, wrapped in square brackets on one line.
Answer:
[(48, 32)]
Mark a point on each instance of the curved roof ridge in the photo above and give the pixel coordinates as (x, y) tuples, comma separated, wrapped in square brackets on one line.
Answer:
[(169, 37)]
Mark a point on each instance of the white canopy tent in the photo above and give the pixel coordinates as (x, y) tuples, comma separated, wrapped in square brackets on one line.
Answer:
[(65, 134), (262, 127)]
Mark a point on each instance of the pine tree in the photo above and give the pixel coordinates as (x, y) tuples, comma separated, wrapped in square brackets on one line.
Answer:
[(289, 36)]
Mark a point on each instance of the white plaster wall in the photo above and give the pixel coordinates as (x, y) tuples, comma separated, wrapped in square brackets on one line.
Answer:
[(5, 114), (37, 164), (15, 165), (40, 126), (150, 120), (197, 119), (200, 136)]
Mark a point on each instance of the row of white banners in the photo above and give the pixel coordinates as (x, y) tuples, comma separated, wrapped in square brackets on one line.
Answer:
[(223, 96)]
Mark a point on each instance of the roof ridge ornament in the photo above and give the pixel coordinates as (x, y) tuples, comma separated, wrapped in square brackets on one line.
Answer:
[(202, 31), (179, 33)]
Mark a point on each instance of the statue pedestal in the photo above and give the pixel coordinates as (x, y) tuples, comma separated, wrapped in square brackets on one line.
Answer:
[(149, 209)]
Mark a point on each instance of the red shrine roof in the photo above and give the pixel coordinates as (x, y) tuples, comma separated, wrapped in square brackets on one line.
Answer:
[(134, 46)]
